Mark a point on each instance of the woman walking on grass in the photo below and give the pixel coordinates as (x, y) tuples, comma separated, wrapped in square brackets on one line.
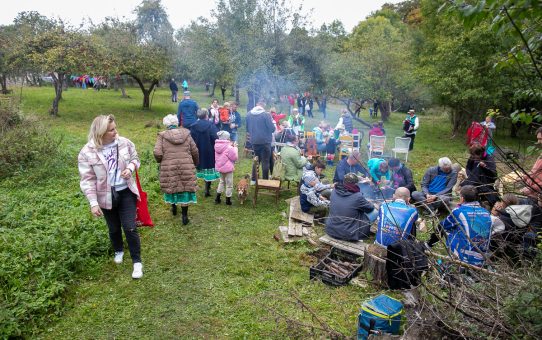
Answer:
[(106, 164), (204, 134), (178, 156)]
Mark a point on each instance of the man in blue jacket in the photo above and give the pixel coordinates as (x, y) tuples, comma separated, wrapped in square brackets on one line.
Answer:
[(260, 128), (396, 219), (350, 164), (437, 184), (187, 111), (468, 228)]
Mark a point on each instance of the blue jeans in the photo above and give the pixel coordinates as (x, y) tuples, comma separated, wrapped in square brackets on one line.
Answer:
[(123, 217)]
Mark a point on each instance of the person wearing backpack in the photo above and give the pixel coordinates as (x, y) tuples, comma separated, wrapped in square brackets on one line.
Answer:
[(410, 127)]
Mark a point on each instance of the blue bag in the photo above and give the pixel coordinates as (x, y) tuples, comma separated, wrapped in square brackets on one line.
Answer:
[(380, 315)]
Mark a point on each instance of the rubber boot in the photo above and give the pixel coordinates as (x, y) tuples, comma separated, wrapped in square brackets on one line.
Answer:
[(174, 209), (184, 211), (207, 189), (217, 199), (228, 200)]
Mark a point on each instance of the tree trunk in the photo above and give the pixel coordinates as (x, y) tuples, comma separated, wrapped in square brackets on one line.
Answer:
[(3, 83), (385, 110), (146, 92), (212, 94), (58, 84)]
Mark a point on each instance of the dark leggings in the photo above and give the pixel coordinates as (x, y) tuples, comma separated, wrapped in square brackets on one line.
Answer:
[(123, 217)]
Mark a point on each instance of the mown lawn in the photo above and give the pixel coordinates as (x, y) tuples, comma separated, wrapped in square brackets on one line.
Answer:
[(222, 275)]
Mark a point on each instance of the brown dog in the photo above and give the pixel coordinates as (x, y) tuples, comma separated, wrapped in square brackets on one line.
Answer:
[(242, 188)]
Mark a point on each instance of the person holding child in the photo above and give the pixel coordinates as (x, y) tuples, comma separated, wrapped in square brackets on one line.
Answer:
[(226, 154)]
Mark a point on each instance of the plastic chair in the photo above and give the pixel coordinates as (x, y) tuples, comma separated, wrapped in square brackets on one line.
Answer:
[(357, 140), (401, 146), (346, 147), (376, 146)]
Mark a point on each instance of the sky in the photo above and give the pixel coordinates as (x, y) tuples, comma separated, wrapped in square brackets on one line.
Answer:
[(181, 12)]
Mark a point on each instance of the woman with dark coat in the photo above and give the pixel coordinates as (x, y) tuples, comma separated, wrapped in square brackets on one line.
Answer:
[(482, 173), (177, 154), (204, 133)]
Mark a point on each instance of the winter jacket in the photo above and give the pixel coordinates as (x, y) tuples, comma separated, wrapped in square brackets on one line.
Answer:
[(347, 218), (277, 117), (297, 123), (403, 178), (413, 122), (187, 112), (173, 86), (225, 156), (431, 174), (293, 163), (468, 221), (374, 169), (348, 123), (178, 156), (224, 115), (93, 172), (260, 126), (203, 133), (395, 222)]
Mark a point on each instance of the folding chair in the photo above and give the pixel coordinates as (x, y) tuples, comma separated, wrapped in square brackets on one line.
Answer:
[(265, 184), (346, 147), (376, 146), (401, 146), (357, 141)]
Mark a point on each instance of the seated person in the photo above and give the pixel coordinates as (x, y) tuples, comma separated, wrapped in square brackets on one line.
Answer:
[(350, 164), (376, 130), (320, 134), (461, 176), (533, 179), (396, 219), (482, 173), (378, 168), (468, 227), (401, 176), (314, 195), (437, 184), (349, 212), (292, 159), (296, 121)]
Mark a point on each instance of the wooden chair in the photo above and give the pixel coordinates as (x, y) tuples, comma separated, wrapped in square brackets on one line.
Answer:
[(310, 134), (248, 150), (376, 146), (346, 147), (265, 184), (401, 146)]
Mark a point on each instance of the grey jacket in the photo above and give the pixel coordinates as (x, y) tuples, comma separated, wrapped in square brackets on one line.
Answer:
[(431, 173)]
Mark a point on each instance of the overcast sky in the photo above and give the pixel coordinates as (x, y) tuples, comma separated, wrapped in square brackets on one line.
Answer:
[(180, 12)]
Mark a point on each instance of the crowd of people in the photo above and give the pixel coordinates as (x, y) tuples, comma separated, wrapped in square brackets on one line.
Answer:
[(201, 143)]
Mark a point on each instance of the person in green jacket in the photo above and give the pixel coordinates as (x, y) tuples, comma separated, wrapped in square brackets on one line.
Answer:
[(297, 121), (292, 159)]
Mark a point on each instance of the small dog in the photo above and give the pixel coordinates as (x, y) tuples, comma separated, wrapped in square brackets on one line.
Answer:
[(242, 188)]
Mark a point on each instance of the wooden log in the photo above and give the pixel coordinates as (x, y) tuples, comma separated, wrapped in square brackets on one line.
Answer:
[(374, 262)]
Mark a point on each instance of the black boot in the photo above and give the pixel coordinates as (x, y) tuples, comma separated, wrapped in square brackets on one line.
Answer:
[(207, 189), (174, 209), (184, 211), (228, 200), (217, 199)]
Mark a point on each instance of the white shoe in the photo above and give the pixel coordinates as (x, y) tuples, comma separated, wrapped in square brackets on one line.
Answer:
[(118, 257), (138, 270)]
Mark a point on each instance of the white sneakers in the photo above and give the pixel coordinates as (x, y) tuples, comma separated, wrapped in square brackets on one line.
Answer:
[(118, 257), (138, 270)]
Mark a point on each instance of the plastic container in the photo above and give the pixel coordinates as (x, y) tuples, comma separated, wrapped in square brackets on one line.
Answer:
[(322, 272)]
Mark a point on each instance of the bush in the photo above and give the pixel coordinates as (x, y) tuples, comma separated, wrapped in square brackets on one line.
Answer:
[(22, 143)]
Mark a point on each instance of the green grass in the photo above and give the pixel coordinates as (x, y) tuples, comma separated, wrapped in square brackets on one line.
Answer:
[(223, 275)]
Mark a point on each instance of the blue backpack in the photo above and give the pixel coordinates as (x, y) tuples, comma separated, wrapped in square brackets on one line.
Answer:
[(380, 315)]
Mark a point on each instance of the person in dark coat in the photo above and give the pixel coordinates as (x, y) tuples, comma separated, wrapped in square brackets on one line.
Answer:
[(482, 173), (204, 133), (401, 176), (350, 214), (174, 89)]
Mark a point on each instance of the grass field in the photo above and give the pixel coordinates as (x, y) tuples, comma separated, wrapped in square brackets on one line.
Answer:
[(223, 275)]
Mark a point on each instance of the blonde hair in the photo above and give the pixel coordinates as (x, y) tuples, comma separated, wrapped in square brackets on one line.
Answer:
[(98, 128)]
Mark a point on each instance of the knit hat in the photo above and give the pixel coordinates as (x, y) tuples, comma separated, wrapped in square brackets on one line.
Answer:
[(186, 93), (350, 178), (224, 135)]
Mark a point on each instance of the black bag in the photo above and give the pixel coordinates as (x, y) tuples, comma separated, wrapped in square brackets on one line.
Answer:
[(114, 194), (405, 263)]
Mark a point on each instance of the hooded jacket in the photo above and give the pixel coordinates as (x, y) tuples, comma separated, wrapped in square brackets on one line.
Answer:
[(347, 218), (225, 156), (260, 126), (178, 156), (203, 133)]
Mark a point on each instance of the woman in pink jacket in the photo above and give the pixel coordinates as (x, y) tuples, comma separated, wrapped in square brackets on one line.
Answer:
[(106, 165), (225, 157)]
